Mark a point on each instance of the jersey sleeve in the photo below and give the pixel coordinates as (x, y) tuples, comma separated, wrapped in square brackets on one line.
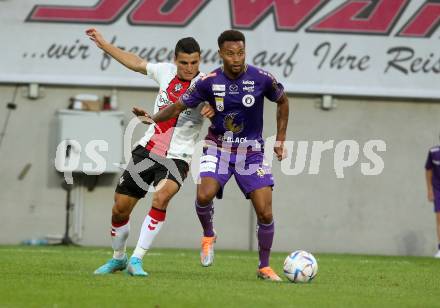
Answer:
[(273, 89), (196, 94), (158, 71), (428, 164)]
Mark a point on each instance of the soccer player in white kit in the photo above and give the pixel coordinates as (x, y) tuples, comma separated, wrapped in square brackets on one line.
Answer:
[(162, 155)]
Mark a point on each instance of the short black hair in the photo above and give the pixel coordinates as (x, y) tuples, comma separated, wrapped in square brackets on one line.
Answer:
[(187, 45), (231, 36)]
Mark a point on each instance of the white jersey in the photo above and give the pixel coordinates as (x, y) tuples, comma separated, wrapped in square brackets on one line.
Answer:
[(176, 137)]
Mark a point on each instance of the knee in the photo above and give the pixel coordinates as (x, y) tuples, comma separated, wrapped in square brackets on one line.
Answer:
[(205, 196), (161, 200), (265, 217), (120, 212)]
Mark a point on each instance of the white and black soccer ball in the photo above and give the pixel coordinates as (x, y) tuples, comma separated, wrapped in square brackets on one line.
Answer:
[(300, 266)]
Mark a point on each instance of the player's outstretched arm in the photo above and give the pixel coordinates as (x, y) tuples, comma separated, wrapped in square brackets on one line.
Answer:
[(282, 120), (142, 115), (172, 111), (128, 59)]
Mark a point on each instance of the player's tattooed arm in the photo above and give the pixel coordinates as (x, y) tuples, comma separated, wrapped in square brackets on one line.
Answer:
[(282, 120), (128, 59)]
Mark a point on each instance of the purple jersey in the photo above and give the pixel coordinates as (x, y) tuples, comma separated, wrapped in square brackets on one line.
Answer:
[(433, 163), (238, 104)]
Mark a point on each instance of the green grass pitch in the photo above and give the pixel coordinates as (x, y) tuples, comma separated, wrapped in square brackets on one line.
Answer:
[(62, 277)]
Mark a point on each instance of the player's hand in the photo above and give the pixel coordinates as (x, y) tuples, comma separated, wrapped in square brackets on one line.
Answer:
[(207, 111), (430, 196), (142, 115), (96, 37), (279, 150)]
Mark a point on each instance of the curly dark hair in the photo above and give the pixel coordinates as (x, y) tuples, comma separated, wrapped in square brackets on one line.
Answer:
[(230, 36)]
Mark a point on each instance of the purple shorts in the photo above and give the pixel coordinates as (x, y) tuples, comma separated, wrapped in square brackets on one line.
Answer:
[(250, 170), (436, 200)]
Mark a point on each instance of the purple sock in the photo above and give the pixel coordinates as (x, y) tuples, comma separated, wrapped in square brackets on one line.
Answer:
[(265, 237), (206, 213), (438, 246)]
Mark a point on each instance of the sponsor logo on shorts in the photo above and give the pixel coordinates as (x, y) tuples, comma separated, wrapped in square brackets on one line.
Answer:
[(261, 172)]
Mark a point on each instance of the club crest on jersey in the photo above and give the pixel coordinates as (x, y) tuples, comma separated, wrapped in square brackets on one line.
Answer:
[(248, 100), (219, 104), (178, 87)]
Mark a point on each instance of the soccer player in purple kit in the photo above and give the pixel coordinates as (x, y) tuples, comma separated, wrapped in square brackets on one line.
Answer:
[(432, 167), (234, 144)]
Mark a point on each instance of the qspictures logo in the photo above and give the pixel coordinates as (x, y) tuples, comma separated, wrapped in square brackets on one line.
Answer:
[(301, 157)]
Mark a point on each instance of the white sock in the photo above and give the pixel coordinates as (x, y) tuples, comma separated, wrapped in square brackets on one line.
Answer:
[(150, 228), (119, 233)]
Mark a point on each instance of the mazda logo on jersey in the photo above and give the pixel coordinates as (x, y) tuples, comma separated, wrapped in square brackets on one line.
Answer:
[(248, 100), (233, 87)]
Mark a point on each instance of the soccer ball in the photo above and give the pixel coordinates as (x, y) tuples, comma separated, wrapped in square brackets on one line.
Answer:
[(300, 266)]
